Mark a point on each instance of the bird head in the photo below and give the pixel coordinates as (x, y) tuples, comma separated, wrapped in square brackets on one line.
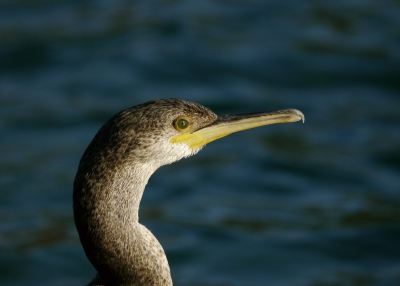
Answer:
[(163, 131)]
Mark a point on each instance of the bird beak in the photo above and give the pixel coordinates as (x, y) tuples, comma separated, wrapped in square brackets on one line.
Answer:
[(228, 124)]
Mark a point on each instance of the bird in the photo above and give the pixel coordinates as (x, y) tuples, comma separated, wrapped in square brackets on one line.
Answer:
[(115, 168)]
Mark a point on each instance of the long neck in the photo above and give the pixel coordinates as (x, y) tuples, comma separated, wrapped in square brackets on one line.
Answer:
[(106, 204)]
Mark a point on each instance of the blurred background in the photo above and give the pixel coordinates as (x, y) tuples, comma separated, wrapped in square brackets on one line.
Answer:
[(314, 204)]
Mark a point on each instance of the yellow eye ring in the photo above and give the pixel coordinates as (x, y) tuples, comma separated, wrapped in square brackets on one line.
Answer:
[(181, 123)]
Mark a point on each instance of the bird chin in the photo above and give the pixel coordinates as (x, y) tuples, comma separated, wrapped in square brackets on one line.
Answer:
[(174, 152), (184, 151)]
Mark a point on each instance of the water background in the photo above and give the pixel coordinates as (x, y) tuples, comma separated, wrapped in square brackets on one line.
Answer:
[(314, 204)]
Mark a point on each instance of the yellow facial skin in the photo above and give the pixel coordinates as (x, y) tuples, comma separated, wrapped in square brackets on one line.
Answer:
[(229, 124)]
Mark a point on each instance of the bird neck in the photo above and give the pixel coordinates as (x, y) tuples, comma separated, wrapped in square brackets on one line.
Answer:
[(123, 192), (106, 206)]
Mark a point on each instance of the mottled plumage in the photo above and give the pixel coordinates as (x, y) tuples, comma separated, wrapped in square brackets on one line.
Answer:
[(114, 171), (109, 184)]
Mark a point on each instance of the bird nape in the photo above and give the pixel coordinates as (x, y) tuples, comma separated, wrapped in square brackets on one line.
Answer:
[(114, 171)]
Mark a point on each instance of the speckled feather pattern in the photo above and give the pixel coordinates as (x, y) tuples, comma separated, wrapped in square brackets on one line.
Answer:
[(109, 185)]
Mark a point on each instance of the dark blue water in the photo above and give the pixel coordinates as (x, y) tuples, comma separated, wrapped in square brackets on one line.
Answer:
[(299, 204)]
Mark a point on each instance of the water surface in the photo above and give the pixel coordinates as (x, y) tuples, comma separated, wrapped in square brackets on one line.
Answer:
[(297, 204)]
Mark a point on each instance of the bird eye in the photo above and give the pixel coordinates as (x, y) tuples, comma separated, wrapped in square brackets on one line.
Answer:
[(181, 123)]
